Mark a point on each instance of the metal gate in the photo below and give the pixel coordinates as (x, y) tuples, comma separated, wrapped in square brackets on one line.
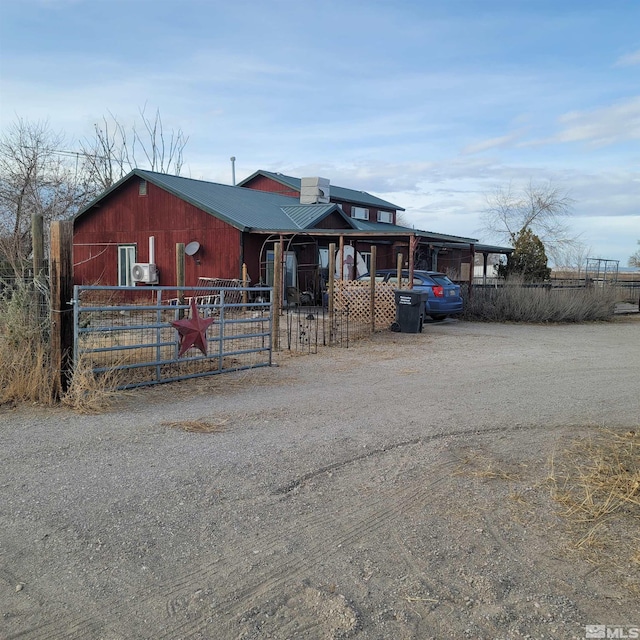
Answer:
[(128, 331)]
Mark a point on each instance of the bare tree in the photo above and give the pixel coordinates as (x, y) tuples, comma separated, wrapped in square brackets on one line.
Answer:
[(571, 256), (105, 156), (115, 150), (540, 207), (634, 260), (34, 179)]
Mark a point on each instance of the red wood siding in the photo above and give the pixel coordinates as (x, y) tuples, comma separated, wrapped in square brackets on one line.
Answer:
[(373, 212), (262, 183), (125, 217), (333, 221)]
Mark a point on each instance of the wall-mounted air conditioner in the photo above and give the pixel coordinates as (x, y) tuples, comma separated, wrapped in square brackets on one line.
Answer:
[(144, 272)]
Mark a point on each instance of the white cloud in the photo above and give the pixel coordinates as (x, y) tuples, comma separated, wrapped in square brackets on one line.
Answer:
[(628, 59), (492, 143), (619, 122)]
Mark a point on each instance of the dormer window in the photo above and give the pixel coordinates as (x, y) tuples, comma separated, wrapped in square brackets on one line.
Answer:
[(359, 213)]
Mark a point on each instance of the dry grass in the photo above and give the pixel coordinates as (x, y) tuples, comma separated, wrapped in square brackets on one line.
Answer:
[(197, 426), (89, 392), (25, 374), (596, 481)]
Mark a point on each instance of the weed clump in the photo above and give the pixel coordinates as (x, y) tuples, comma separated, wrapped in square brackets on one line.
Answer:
[(596, 483), (518, 302), (25, 374)]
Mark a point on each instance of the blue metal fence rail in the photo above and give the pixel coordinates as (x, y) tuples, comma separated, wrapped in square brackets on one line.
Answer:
[(128, 331)]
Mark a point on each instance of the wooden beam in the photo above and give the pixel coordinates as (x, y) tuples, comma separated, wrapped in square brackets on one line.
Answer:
[(372, 282), (331, 285), (180, 278), (413, 244), (61, 276), (37, 247), (245, 283), (276, 299)]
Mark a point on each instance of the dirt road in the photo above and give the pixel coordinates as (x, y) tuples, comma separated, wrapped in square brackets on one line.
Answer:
[(396, 489)]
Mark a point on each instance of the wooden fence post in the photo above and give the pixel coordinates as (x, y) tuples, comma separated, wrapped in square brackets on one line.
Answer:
[(180, 279), (331, 283), (245, 284), (61, 276), (276, 302), (37, 237), (372, 282), (37, 247)]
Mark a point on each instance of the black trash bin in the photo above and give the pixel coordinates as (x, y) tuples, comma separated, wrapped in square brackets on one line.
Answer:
[(410, 307)]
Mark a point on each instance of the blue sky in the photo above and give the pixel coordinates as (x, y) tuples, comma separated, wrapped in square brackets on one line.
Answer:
[(429, 104)]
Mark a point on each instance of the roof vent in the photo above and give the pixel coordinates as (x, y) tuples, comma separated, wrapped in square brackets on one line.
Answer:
[(314, 191)]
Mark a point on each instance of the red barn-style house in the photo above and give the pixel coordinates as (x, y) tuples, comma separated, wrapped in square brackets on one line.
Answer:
[(224, 227)]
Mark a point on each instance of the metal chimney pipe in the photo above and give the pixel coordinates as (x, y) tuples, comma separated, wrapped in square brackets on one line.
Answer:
[(233, 170)]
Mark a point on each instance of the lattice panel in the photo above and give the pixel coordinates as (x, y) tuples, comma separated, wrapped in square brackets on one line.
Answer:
[(357, 294)]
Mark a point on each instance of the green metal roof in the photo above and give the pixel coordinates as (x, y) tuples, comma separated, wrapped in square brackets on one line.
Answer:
[(339, 193), (244, 209), (367, 225), (259, 211), (307, 215)]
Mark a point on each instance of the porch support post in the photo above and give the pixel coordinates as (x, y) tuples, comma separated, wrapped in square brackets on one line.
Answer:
[(341, 257), (331, 287), (372, 283), (485, 260), (276, 298), (472, 258), (413, 242)]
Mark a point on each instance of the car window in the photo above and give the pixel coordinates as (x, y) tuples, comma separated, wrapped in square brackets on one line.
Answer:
[(405, 281), (442, 280)]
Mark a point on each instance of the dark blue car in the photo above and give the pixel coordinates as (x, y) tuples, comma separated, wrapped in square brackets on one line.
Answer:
[(444, 297)]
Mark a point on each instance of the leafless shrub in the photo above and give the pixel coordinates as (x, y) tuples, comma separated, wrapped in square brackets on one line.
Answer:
[(516, 302)]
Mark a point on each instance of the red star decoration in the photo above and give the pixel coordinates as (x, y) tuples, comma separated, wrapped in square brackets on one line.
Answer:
[(193, 332)]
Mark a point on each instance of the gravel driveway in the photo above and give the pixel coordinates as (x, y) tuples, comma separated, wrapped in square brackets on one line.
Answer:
[(395, 489)]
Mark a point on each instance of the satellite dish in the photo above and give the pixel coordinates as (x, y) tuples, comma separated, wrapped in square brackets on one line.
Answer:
[(192, 248)]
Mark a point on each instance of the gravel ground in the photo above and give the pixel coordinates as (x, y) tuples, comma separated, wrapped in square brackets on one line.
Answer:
[(396, 489)]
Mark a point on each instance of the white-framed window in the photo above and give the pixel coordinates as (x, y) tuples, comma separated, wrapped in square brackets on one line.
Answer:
[(359, 213), (126, 258), (142, 188), (385, 216)]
